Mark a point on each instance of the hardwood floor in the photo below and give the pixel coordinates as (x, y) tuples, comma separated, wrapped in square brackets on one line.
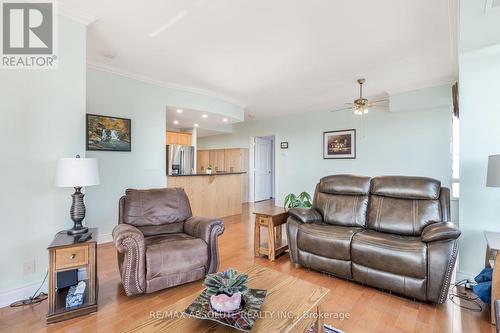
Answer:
[(369, 310)]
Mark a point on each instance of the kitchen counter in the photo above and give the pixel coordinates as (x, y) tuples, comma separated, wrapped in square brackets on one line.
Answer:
[(210, 174), (214, 195)]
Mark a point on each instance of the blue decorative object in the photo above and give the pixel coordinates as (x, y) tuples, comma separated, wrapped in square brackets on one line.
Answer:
[(483, 287), (484, 276), (75, 295)]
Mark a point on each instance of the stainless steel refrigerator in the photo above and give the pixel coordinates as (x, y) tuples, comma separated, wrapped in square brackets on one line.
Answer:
[(180, 160)]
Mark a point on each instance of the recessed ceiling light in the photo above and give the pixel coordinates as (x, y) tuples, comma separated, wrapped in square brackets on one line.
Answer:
[(176, 122), (225, 120), (179, 111), (204, 116), (196, 125)]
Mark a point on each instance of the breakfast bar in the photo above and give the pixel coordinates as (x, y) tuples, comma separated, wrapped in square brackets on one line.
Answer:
[(213, 195)]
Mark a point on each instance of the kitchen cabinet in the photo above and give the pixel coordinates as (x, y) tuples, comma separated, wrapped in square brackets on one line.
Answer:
[(179, 138), (228, 160), (218, 160), (202, 161)]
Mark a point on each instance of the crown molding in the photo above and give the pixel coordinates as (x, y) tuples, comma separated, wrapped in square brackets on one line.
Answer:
[(424, 85), (74, 14), (168, 85)]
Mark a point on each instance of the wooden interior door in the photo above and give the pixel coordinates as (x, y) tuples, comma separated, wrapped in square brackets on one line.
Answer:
[(263, 176)]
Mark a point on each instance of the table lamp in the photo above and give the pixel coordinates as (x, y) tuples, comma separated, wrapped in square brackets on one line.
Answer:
[(77, 173), (493, 178)]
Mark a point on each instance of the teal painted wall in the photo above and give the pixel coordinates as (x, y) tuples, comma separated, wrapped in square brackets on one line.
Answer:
[(388, 143), (479, 137), (144, 167), (41, 120)]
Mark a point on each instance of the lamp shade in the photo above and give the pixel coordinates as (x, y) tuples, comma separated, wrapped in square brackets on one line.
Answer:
[(493, 178), (77, 172)]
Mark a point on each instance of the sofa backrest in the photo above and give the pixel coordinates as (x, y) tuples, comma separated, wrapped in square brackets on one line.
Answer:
[(343, 199), (155, 211), (405, 205)]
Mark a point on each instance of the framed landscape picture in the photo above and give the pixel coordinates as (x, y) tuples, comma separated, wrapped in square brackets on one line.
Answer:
[(108, 133), (339, 144)]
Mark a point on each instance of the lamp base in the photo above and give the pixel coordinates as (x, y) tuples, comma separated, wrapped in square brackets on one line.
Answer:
[(77, 231), (77, 213)]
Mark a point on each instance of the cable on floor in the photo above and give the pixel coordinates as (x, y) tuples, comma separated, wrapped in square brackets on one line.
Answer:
[(35, 298), (463, 296)]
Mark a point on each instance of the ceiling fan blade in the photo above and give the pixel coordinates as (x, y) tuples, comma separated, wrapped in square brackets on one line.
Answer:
[(380, 100), (380, 108), (343, 109)]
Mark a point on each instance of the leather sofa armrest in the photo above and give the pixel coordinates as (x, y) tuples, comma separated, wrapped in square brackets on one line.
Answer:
[(129, 242), (208, 230), (440, 231), (123, 232), (305, 215)]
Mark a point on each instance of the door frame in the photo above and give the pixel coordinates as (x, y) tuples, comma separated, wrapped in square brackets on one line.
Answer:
[(275, 166)]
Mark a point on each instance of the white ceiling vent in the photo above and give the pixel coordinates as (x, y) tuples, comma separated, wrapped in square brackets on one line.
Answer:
[(492, 5)]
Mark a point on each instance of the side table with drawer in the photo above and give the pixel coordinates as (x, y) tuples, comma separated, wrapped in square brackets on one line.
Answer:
[(272, 218), (68, 256)]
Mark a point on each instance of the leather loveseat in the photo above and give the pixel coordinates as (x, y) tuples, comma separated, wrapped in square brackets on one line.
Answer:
[(388, 232), (160, 244)]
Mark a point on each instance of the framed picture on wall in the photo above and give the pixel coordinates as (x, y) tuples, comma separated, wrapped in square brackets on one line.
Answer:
[(339, 144), (108, 133)]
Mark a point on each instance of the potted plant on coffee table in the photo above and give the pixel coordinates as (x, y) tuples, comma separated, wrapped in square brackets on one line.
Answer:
[(225, 290)]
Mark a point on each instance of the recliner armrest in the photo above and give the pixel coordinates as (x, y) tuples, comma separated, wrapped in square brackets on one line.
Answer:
[(208, 230), (123, 231), (202, 227), (129, 242), (305, 215), (440, 231)]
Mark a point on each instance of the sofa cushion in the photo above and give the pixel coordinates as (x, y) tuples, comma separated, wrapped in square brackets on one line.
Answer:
[(401, 216), (395, 254), (174, 253), (406, 187), (342, 210), (326, 240), (343, 199), (154, 207), (345, 184)]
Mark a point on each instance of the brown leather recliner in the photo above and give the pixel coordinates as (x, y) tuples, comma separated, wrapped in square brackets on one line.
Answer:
[(389, 232), (160, 244)]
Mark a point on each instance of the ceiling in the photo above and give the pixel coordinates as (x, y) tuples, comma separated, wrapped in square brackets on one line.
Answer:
[(479, 24), (207, 123), (281, 56)]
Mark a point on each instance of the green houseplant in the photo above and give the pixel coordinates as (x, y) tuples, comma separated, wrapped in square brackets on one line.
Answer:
[(303, 200), (225, 289)]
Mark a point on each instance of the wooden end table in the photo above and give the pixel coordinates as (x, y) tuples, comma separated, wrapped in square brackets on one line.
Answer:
[(67, 253), (491, 258), (273, 219)]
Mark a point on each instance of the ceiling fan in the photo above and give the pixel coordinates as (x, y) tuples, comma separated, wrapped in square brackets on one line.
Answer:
[(361, 105)]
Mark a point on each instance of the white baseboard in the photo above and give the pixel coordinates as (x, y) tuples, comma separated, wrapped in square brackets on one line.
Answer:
[(464, 275), (9, 296), (104, 238)]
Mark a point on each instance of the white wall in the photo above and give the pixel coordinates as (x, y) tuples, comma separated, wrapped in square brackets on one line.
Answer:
[(41, 120), (145, 104), (479, 137), (400, 143)]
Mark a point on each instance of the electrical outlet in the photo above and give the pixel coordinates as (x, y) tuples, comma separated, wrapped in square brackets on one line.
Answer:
[(29, 267)]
